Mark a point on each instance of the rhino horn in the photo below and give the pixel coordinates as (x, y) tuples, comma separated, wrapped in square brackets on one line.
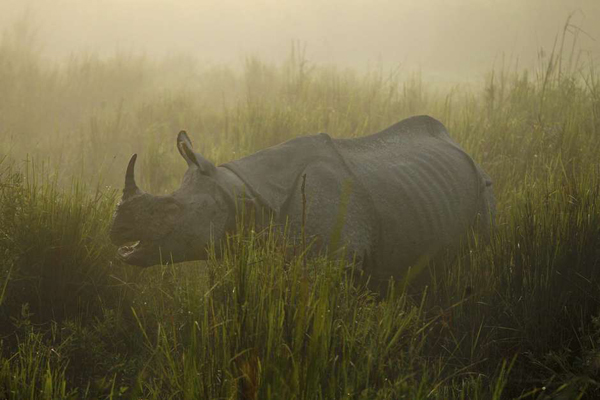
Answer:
[(131, 187)]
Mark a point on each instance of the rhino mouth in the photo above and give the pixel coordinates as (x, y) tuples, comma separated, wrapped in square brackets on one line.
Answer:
[(127, 249), (136, 252)]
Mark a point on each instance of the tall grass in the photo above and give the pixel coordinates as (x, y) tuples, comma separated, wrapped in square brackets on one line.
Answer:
[(513, 318)]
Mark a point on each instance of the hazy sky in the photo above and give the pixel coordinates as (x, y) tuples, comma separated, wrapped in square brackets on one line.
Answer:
[(442, 36)]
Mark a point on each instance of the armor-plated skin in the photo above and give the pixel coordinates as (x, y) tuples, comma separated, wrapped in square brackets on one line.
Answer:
[(409, 192)]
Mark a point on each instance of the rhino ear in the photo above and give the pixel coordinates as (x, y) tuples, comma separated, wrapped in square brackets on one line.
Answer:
[(184, 145)]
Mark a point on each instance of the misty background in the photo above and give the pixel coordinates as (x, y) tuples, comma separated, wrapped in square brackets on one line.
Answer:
[(85, 84), (450, 40)]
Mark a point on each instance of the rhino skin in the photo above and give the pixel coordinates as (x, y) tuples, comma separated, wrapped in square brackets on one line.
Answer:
[(414, 193)]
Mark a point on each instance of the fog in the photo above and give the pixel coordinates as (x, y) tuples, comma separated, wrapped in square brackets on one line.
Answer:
[(455, 38)]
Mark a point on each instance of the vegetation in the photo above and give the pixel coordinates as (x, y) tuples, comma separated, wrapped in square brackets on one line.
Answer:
[(514, 318)]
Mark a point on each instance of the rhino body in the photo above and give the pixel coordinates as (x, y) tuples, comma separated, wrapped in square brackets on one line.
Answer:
[(392, 198)]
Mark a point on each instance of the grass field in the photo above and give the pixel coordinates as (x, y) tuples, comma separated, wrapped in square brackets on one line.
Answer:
[(515, 318)]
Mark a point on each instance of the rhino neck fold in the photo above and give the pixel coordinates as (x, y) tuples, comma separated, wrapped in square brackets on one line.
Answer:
[(235, 189)]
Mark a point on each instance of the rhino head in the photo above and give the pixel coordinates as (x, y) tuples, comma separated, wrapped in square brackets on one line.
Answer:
[(150, 229)]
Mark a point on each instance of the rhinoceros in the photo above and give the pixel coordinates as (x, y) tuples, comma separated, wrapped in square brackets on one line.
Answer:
[(403, 194)]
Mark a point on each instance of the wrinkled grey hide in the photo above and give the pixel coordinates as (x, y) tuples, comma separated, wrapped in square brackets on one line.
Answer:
[(413, 193)]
